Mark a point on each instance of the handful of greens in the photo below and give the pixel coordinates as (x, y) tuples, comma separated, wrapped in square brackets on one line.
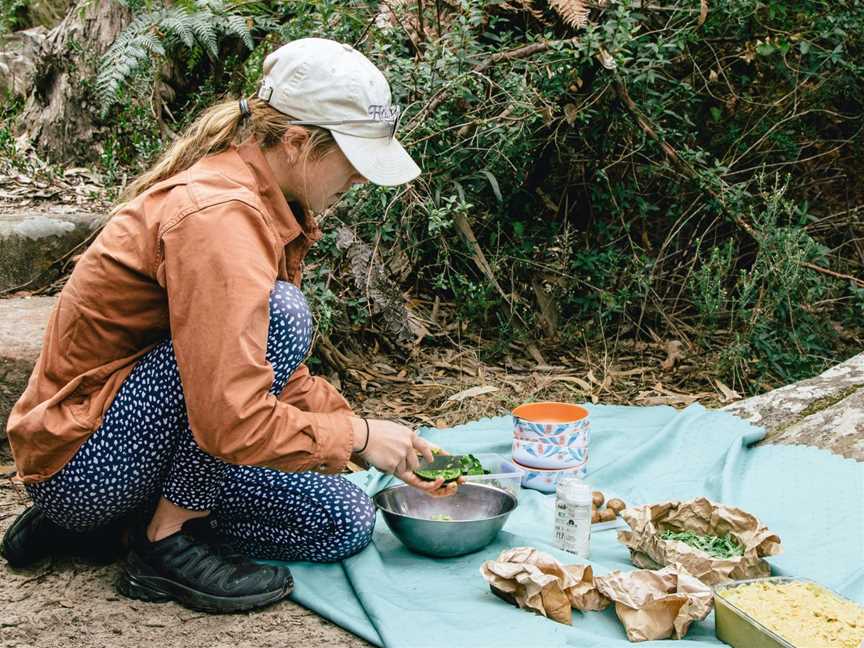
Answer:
[(715, 546), (450, 467)]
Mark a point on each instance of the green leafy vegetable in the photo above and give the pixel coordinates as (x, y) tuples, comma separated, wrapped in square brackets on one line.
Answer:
[(451, 468), (471, 466), (717, 546), (431, 474)]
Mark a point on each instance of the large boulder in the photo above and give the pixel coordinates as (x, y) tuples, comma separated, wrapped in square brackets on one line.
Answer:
[(22, 327), (34, 238), (826, 411)]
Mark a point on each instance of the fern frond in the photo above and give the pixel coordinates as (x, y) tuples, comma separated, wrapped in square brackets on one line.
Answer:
[(202, 26), (150, 36), (152, 44), (129, 54), (177, 23), (236, 25), (572, 12), (213, 6)]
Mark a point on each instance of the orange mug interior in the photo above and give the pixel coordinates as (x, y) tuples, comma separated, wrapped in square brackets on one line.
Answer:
[(550, 412)]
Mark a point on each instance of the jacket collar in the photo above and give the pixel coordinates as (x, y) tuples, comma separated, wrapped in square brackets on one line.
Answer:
[(287, 225)]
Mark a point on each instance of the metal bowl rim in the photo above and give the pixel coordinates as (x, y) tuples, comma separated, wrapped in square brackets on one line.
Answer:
[(509, 496)]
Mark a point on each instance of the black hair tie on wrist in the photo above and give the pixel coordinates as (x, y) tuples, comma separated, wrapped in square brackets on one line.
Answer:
[(244, 109), (361, 450)]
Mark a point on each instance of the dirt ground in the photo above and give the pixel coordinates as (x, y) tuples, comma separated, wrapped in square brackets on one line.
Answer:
[(66, 604)]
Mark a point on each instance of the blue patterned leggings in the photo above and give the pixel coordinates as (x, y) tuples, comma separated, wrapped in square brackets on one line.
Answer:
[(144, 449)]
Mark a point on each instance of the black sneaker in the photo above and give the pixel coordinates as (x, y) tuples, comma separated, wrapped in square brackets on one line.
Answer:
[(192, 568), (33, 537)]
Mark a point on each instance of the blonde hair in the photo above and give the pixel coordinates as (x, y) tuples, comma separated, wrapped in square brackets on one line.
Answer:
[(216, 129)]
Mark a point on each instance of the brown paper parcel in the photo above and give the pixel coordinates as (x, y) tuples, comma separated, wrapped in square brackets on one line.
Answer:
[(535, 580), (656, 604), (702, 516)]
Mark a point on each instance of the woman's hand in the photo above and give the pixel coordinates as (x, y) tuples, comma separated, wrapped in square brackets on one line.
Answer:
[(394, 448)]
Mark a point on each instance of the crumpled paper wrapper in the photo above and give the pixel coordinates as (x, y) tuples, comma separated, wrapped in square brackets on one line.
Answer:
[(656, 604), (702, 516), (532, 579)]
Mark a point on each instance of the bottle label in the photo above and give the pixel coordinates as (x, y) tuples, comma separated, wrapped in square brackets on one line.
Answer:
[(572, 527)]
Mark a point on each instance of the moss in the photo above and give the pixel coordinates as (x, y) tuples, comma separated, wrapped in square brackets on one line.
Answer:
[(818, 405), (827, 401)]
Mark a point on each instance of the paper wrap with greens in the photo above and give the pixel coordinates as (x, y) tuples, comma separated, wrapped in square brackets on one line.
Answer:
[(735, 552)]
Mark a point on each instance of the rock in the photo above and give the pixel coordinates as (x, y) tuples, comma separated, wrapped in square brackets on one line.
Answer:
[(10, 622), (22, 327), (33, 238), (18, 56), (826, 411)]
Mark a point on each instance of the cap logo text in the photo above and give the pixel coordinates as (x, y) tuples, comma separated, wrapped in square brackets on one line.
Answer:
[(379, 112)]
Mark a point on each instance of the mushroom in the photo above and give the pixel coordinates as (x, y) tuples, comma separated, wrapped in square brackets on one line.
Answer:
[(595, 516), (597, 498), (607, 515), (616, 505)]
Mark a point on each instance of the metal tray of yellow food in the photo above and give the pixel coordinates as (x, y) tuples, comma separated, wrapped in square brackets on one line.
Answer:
[(737, 628)]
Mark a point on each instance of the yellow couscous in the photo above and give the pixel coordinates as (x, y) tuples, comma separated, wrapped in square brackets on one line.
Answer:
[(804, 614)]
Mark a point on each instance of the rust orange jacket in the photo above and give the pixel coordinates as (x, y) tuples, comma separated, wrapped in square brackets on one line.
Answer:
[(195, 256)]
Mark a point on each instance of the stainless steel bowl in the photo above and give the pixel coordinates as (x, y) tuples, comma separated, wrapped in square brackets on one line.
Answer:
[(477, 514)]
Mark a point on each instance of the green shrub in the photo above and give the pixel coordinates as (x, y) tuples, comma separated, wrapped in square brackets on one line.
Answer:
[(632, 172)]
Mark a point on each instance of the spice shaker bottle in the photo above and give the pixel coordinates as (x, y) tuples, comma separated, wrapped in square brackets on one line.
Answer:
[(572, 530)]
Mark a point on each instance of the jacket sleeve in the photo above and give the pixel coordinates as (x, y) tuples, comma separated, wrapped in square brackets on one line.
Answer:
[(313, 394), (219, 268)]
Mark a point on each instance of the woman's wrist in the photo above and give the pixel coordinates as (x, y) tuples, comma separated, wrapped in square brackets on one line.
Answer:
[(360, 433)]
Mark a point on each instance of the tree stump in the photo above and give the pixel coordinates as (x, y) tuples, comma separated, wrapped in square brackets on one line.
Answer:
[(60, 118)]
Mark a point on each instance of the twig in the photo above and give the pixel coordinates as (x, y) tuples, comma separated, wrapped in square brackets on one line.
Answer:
[(858, 282), (336, 358), (362, 36), (421, 27), (524, 51)]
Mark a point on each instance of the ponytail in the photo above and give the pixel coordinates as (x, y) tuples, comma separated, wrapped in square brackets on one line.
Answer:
[(215, 130)]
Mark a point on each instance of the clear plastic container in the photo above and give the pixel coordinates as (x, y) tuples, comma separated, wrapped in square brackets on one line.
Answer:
[(502, 473)]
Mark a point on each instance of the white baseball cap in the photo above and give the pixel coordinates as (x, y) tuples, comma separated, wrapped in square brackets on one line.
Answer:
[(323, 83)]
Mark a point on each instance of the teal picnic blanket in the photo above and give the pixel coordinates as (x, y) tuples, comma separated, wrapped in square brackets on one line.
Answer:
[(813, 499)]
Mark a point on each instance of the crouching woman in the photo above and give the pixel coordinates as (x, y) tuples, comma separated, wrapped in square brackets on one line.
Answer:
[(170, 399)]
